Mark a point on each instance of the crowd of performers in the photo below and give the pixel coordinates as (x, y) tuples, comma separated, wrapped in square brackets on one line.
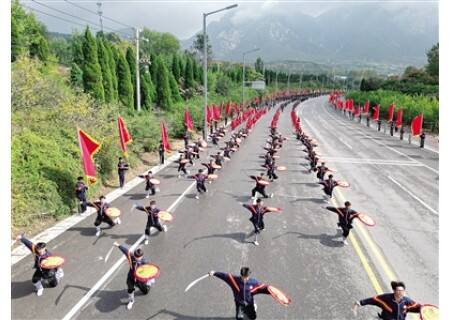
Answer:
[(142, 272)]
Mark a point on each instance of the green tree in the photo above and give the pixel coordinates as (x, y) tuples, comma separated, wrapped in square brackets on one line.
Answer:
[(39, 48), (197, 46), (433, 61), (223, 85), (17, 39), (76, 44), (163, 91), (125, 86), (176, 97), (146, 89), (152, 68), (76, 76), (159, 43), (131, 59), (112, 56), (176, 67), (92, 73), (259, 65), (189, 74), (103, 59)]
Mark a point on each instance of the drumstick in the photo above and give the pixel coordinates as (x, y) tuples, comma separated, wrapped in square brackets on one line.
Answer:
[(193, 283)]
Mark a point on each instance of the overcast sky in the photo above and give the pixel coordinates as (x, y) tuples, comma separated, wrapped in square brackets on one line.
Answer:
[(182, 18)]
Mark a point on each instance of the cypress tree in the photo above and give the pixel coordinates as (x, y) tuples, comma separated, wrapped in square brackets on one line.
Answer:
[(92, 73), (103, 59), (17, 39), (174, 88), (153, 67), (131, 59), (176, 68), (112, 67), (76, 76), (163, 92), (146, 94), (77, 50), (125, 86), (188, 74), (39, 48), (181, 67)]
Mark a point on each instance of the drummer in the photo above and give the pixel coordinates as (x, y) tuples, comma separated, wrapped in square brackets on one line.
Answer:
[(152, 219), (244, 288), (394, 305), (135, 259), (260, 186), (182, 166), (200, 179), (218, 158), (321, 170), (257, 219), (270, 164), (102, 216), (149, 186), (211, 166), (329, 185), (346, 216), (52, 276)]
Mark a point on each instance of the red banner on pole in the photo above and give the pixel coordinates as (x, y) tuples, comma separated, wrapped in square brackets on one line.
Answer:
[(124, 136), (165, 137), (398, 121), (366, 107), (416, 125), (391, 112), (188, 121), (376, 112), (88, 147)]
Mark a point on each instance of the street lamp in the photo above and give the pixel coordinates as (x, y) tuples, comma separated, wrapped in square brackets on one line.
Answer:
[(243, 71), (205, 64)]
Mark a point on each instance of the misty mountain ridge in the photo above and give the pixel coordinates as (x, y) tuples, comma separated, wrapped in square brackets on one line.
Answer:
[(360, 34)]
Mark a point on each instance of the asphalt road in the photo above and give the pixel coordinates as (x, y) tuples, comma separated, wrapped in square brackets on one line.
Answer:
[(299, 251)]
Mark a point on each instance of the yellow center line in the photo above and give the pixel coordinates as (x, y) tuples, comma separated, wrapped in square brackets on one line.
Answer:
[(372, 277), (378, 255)]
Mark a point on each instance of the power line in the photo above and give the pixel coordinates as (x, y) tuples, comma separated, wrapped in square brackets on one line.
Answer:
[(98, 27), (93, 12), (48, 14)]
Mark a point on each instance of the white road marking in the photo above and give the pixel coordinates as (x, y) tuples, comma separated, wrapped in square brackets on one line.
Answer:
[(414, 196), (108, 274), (381, 143), (51, 233)]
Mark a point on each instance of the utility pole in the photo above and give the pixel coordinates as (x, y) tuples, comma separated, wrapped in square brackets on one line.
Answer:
[(138, 82), (100, 12)]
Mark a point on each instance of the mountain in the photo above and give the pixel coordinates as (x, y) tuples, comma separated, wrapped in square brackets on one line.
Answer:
[(358, 34)]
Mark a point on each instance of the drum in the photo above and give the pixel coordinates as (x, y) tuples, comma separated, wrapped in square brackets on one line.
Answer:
[(234, 149), (212, 177), (364, 218), (429, 312), (216, 166), (273, 209), (281, 168), (165, 216), (112, 213), (203, 144), (279, 295), (184, 161), (201, 149), (331, 170), (276, 157), (238, 140), (263, 182), (155, 181), (343, 184), (146, 272), (52, 262), (227, 159)]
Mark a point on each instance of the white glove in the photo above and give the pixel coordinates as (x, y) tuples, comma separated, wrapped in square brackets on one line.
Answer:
[(211, 273)]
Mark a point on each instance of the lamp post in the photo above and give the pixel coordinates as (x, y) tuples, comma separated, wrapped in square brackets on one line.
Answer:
[(205, 65), (243, 72)]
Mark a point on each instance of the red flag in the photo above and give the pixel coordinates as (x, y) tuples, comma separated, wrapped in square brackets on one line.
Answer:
[(124, 135), (391, 112), (217, 113), (398, 120), (376, 112), (209, 115), (188, 121), (416, 125), (165, 137), (366, 107), (228, 108), (357, 110), (88, 147)]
